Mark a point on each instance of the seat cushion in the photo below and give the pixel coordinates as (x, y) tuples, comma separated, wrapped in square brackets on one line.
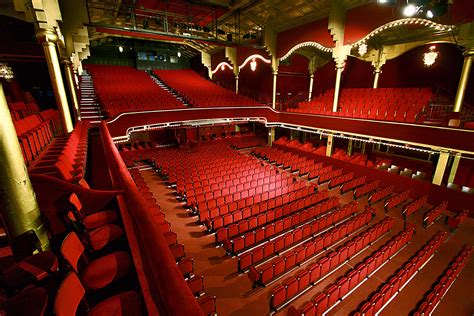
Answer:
[(30, 270), (102, 236), (100, 219), (127, 303), (30, 302), (105, 270)]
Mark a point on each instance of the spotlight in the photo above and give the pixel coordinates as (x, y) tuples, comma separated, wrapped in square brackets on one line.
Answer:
[(387, 2), (410, 10), (120, 48), (179, 54), (429, 14)]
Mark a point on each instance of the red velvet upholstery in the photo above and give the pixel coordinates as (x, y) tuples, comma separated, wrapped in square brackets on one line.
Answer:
[(31, 302)]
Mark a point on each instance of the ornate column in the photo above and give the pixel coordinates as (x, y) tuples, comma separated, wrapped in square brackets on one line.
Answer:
[(19, 207), (311, 82), (71, 86), (271, 136), (275, 74), (466, 70), (377, 72), (339, 69), (441, 167), (349, 147), (48, 39), (454, 167), (329, 145), (237, 84)]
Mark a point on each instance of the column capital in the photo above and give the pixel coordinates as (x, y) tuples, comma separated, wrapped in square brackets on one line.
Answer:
[(468, 52), (66, 61), (47, 36), (377, 70), (311, 75), (275, 72)]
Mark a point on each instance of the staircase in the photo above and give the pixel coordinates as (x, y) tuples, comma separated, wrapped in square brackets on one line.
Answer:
[(166, 88), (88, 103)]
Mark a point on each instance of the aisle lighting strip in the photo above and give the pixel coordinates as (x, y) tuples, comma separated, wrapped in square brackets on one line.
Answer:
[(415, 21)]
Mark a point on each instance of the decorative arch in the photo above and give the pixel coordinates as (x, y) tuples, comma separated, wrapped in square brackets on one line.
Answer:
[(252, 57), (222, 66), (316, 45)]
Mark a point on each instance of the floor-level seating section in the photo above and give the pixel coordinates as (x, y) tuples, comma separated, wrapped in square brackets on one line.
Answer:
[(380, 194), (340, 289), (339, 180), (125, 89), (389, 104), (65, 157), (414, 206), (432, 215), (396, 199), (366, 188), (286, 261), (439, 289), (263, 217), (456, 220), (288, 160), (36, 132), (395, 283), (353, 184), (200, 92), (299, 283)]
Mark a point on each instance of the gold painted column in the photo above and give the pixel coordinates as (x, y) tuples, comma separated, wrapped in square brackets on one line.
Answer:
[(466, 69), (275, 74), (349, 147), (18, 203), (339, 69), (271, 136), (377, 72), (329, 145), (71, 86), (311, 82), (441, 167), (237, 84), (454, 167), (48, 39)]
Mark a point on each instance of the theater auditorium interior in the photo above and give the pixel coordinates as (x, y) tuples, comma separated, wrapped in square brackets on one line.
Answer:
[(236, 157)]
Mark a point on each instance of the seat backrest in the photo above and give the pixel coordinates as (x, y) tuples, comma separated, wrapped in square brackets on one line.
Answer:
[(69, 296), (72, 250), (74, 200)]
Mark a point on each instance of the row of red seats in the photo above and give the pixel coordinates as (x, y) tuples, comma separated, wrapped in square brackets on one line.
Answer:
[(366, 188), (316, 173), (337, 291), (396, 199), (325, 177), (352, 184), (282, 219), (200, 92), (414, 206), (35, 134), (432, 215), (380, 194), (400, 104), (267, 249), (397, 281), (263, 217), (439, 289), (319, 270), (341, 180), (455, 221), (264, 273), (65, 157), (221, 221), (215, 199), (225, 187)]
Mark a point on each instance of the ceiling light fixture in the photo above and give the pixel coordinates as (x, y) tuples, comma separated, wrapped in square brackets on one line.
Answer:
[(253, 64), (410, 10), (120, 48), (362, 49), (179, 54), (6, 72)]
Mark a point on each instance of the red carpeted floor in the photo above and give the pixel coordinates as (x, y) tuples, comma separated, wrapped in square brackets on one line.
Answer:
[(235, 295)]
